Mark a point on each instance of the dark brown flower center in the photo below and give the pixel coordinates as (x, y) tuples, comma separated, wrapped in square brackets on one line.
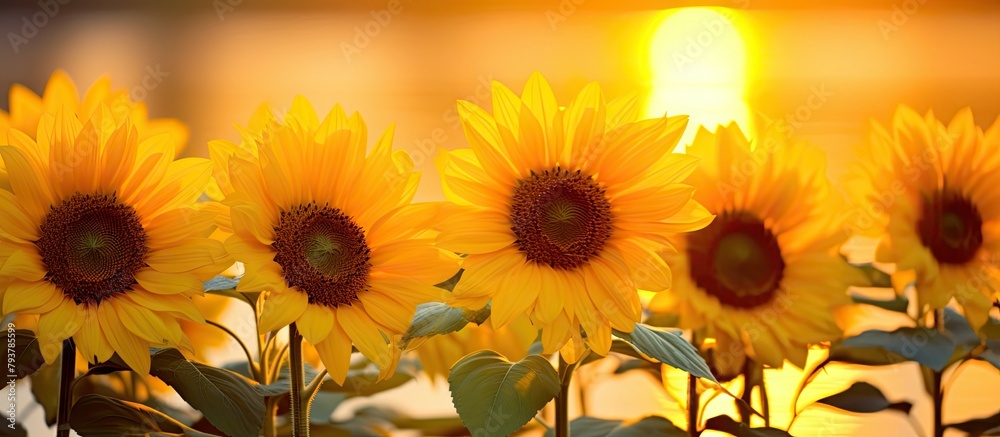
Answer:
[(736, 259), (560, 218), (92, 246), (323, 253), (951, 227)]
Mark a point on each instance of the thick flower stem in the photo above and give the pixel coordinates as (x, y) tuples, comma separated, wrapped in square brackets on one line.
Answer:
[(747, 395), (937, 393), (66, 374), (693, 404), (562, 399), (300, 417)]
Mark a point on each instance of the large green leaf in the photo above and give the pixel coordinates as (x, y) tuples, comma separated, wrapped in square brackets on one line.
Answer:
[(228, 400), (978, 427), (991, 329), (45, 387), (669, 348), (101, 416), (727, 425), (992, 353), (646, 426), (875, 277), (958, 329), (923, 345), (867, 356), (898, 304), (437, 318), (27, 355), (862, 397), (495, 397), (362, 378)]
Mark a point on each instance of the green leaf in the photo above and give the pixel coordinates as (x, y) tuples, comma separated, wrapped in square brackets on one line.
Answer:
[(866, 356), (663, 320), (898, 304), (727, 425), (669, 348), (646, 426), (220, 283), (27, 354), (876, 277), (96, 415), (362, 380), (862, 397), (958, 329), (323, 405), (229, 401), (450, 283), (978, 427), (992, 353), (991, 329), (45, 386), (923, 345), (437, 318), (495, 397)]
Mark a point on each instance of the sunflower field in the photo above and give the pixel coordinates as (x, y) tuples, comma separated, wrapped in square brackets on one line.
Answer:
[(574, 249)]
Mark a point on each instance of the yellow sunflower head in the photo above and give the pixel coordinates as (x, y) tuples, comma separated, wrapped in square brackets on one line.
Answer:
[(929, 191), (764, 277), (99, 236), (26, 109), (328, 232), (562, 210)]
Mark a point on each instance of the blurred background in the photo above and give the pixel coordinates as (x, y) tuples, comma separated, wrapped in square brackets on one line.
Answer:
[(824, 67)]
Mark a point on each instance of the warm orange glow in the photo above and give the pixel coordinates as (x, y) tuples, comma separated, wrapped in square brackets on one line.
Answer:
[(699, 61)]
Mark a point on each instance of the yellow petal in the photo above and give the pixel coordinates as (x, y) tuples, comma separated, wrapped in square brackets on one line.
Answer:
[(31, 297), (315, 323), (167, 283), (142, 322), (364, 333), (474, 231), (280, 309), (519, 293), (176, 225), (32, 190), (57, 325), (23, 265), (335, 352), (132, 348), (387, 311), (90, 341), (14, 222), (417, 259), (174, 304), (193, 255)]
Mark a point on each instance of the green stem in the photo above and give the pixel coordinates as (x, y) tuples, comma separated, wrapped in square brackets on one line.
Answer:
[(938, 393), (66, 375), (299, 417), (562, 399), (250, 363), (747, 395), (693, 404), (270, 426)]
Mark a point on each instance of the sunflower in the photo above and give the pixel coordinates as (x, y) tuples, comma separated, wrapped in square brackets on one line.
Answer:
[(100, 239), (561, 211), (930, 192), (26, 109), (764, 278), (330, 235)]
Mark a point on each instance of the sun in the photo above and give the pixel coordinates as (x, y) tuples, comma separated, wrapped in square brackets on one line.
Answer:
[(699, 64)]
